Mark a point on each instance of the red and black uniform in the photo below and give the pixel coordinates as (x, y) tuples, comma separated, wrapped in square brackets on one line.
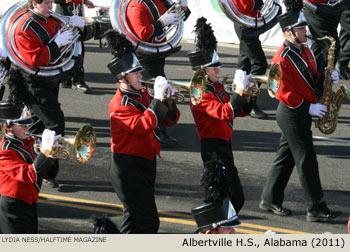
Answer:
[(32, 40), (21, 172), (142, 17), (322, 22), (297, 91), (213, 117), (135, 118)]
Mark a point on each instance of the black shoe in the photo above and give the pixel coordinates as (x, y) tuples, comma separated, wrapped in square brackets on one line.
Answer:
[(167, 141), (279, 210), (67, 84), (52, 183), (322, 216), (82, 87), (343, 71), (258, 113)]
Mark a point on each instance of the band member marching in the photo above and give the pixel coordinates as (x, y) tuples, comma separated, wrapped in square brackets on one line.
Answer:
[(21, 170), (215, 113), (147, 20), (135, 119), (297, 105), (38, 39)]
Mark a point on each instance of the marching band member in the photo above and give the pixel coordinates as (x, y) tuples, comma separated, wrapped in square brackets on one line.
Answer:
[(72, 8), (135, 119), (297, 105), (21, 170), (322, 22), (33, 40), (251, 58), (215, 113), (147, 19)]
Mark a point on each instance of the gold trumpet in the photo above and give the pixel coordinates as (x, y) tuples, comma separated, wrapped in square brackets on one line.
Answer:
[(272, 80), (195, 87), (84, 144)]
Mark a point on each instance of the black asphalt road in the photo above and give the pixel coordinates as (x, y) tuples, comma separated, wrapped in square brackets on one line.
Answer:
[(85, 189)]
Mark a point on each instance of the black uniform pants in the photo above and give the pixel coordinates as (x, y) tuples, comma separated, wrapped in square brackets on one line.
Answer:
[(344, 37), (296, 149), (67, 10), (46, 110), (319, 27), (251, 55), (17, 216), (133, 179), (223, 149)]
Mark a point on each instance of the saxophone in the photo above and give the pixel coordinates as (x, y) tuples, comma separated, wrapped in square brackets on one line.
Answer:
[(333, 100)]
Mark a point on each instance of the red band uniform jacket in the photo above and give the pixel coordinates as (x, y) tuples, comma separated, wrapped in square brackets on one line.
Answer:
[(248, 7), (132, 130), (32, 39), (21, 169), (142, 17), (295, 91), (215, 113)]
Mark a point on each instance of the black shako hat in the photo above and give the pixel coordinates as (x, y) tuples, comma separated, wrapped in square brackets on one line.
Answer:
[(12, 113), (293, 18), (290, 20), (205, 54), (218, 210), (124, 61), (213, 215)]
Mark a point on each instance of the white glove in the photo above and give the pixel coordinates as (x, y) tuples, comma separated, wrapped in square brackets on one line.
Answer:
[(3, 54), (174, 90), (169, 18), (335, 76), (160, 87), (182, 3), (77, 21), (241, 80), (318, 110), (63, 38), (47, 139)]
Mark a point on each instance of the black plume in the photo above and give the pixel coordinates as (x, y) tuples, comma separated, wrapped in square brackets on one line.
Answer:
[(293, 5), (215, 181), (118, 43), (205, 38), (18, 88), (104, 225)]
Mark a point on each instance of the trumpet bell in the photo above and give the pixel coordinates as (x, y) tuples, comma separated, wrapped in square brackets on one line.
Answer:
[(197, 87), (84, 143)]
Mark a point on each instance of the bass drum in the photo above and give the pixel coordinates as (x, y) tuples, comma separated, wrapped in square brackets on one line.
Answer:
[(118, 20)]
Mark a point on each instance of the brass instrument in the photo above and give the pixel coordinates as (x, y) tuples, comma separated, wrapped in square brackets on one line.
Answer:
[(118, 19), (8, 23), (261, 23), (167, 30), (65, 27), (84, 144), (195, 87), (272, 80), (333, 100)]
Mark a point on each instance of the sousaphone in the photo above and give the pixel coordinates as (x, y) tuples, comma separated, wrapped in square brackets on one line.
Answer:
[(259, 24), (7, 27), (118, 20)]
